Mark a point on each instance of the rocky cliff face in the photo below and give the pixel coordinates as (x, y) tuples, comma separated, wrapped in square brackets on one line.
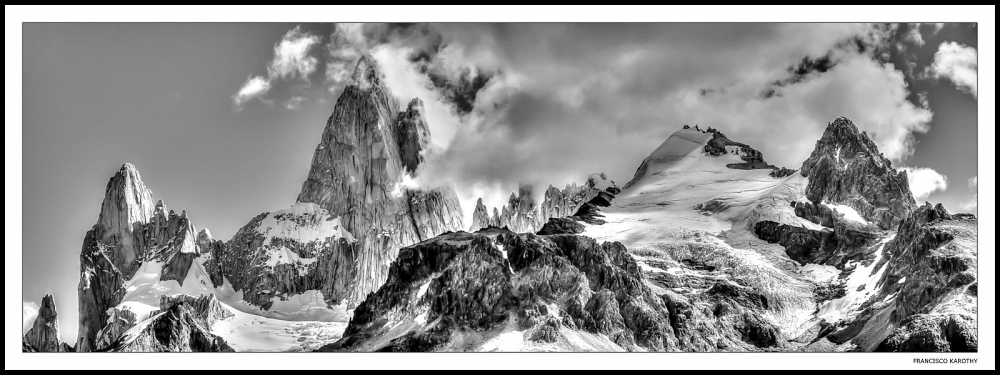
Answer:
[(131, 230), (841, 170), (522, 214), (181, 325), (358, 200), (933, 275), (44, 333)]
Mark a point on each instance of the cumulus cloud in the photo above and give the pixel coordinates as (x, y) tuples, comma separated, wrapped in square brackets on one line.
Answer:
[(29, 310), (959, 64), (925, 181), (291, 61), (575, 99), (291, 56), (913, 35)]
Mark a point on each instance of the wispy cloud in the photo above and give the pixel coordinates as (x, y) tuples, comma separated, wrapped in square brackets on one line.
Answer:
[(291, 61), (959, 64), (925, 181), (29, 310), (255, 87), (295, 103)]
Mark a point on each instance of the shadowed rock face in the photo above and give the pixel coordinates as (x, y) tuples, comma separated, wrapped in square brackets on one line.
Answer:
[(44, 333), (119, 321), (835, 246), (934, 276), (847, 168)]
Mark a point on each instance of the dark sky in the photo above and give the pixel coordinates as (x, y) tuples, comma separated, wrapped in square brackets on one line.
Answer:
[(507, 104)]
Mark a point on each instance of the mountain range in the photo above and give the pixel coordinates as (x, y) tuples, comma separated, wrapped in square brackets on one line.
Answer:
[(707, 248)]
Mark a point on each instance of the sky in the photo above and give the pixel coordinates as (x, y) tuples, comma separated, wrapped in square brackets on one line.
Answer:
[(221, 120)]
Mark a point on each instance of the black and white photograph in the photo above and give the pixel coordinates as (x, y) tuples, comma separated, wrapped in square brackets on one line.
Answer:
[(522, 187)]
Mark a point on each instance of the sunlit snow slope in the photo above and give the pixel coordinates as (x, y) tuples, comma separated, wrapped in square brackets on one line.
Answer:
[(686, 214)]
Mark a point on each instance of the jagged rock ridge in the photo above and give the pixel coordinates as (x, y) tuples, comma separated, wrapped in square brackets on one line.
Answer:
[(131, 230), (522, 214), (840, 170)]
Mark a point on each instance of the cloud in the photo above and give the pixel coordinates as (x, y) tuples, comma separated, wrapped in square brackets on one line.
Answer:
[(958, 63), (973, 203), (573, 99), (291, 61), (255, 87), (937, 28), (294, 103), (551, 103), (347, 44), (291, 56), (913, 35), (925, 181), (29, 310)]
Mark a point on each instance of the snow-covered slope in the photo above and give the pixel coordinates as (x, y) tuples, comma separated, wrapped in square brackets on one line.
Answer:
[(300, 322), (686, 212)]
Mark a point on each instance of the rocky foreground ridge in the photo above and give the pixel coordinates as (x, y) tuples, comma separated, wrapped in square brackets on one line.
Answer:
[(496, 289)]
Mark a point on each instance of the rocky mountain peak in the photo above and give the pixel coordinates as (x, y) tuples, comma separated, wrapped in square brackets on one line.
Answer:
[(44, 333), (357, 174), (847, 168), (127, 204), (367, 73), (127, 200)]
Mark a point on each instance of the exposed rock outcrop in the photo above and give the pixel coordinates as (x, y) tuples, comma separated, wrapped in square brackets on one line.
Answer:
[(562, 225), (835, 246), (44, 333), (178, 328), (752, 159), (120, 320), (847, 168)]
